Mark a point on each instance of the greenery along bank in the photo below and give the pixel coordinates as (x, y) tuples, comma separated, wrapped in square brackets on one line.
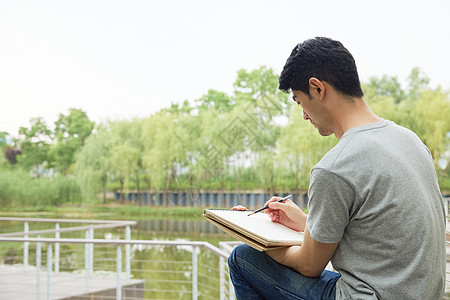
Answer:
[(254, 138)]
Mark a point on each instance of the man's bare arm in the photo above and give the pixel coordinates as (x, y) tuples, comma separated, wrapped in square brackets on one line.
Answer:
[(310, 259)]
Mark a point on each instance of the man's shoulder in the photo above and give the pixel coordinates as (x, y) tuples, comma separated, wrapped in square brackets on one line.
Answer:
[(365, 144)]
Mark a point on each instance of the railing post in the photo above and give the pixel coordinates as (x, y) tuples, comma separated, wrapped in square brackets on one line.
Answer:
[(86, 259), (127, 254), (49, 269), (26, 228), (222, 278), (38, 269), (118, 271), (91, 252), (194, 273), (231, 295), (57, 236)]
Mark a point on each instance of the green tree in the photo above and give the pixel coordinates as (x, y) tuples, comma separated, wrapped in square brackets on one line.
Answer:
[(189, 135), (70, 134), (176, 108), (432, 123), (3, 139), (266, 169), (417, 82), (386, 86), (216, 100), (211, 160), (3, 144), (163, 151), (126, 151), (253, 120), (384, 105), (256, 83), (35, 143), (91, 164)]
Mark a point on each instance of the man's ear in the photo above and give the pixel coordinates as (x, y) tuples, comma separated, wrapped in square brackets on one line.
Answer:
[(316, 87)]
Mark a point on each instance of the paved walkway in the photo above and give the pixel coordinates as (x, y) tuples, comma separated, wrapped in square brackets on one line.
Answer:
[(19, 284)]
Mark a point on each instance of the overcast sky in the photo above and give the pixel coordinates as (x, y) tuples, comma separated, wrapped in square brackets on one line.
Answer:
[(122, 59)]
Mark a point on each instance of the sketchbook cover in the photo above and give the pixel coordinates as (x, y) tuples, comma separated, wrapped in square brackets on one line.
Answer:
[(257, 228)]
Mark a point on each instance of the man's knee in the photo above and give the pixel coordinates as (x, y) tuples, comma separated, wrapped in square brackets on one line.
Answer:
[(242, 252), (233, 257)]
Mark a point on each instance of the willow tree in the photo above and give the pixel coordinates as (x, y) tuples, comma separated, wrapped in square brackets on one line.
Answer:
[(212, 160), (126, 151), (266, 170), (188, 131), (91, 164), (258, 106), (163, 151), (431, 115)]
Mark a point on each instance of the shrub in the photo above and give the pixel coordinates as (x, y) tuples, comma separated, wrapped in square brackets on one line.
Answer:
[(18, 188)]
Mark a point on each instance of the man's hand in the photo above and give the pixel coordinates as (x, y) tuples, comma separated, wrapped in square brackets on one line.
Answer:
[(286, 213), (239, 207)]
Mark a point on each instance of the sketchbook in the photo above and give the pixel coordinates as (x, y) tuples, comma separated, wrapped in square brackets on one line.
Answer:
[(257, 231)]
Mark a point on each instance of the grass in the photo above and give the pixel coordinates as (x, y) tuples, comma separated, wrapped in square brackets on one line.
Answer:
[(113, 210)]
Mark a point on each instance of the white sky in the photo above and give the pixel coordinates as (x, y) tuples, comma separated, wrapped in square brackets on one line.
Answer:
[(121, 59)]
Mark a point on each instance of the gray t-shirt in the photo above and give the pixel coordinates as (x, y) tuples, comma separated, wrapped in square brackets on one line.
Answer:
[(376, 193)]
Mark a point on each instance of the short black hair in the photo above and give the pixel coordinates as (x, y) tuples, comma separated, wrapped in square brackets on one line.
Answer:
[(325, 59)]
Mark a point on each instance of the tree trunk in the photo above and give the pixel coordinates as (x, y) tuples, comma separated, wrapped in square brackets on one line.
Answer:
[(191, 189), (104, 188), (238, 182), (149, 188), (122, 198), (222, 189), (139, 198)]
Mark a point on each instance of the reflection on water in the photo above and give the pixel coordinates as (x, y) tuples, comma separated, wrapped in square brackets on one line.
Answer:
[(178, 226), (190, 229)]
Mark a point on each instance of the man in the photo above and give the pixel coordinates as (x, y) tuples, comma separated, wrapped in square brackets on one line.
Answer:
[(375, 207)]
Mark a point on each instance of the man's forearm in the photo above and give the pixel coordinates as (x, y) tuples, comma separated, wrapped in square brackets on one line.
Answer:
[(310, 259), (288, 256), (293, 258)]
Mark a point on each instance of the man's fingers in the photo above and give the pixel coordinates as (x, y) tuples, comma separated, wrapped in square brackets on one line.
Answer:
[(276, 205), (273, 199), (239, 207)]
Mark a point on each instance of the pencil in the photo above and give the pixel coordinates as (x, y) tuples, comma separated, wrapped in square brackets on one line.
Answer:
[(267, 206)]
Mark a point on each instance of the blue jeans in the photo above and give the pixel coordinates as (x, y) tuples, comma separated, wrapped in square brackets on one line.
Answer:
[(257, 276)]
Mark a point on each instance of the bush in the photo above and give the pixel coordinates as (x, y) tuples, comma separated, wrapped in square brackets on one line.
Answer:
[(18, 188)]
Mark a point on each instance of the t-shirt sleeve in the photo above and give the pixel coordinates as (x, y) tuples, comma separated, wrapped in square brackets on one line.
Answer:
[(330, 202)]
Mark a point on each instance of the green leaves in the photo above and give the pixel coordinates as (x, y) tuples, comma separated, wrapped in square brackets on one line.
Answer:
[(35, 143), (44, 149), (70, 134)]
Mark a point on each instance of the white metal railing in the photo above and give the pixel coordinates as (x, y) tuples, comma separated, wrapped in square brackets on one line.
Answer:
[(89, 234), (225, 288), (119, 243)]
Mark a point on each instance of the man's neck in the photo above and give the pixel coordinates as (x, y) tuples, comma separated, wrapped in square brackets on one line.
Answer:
[(350, 115)]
